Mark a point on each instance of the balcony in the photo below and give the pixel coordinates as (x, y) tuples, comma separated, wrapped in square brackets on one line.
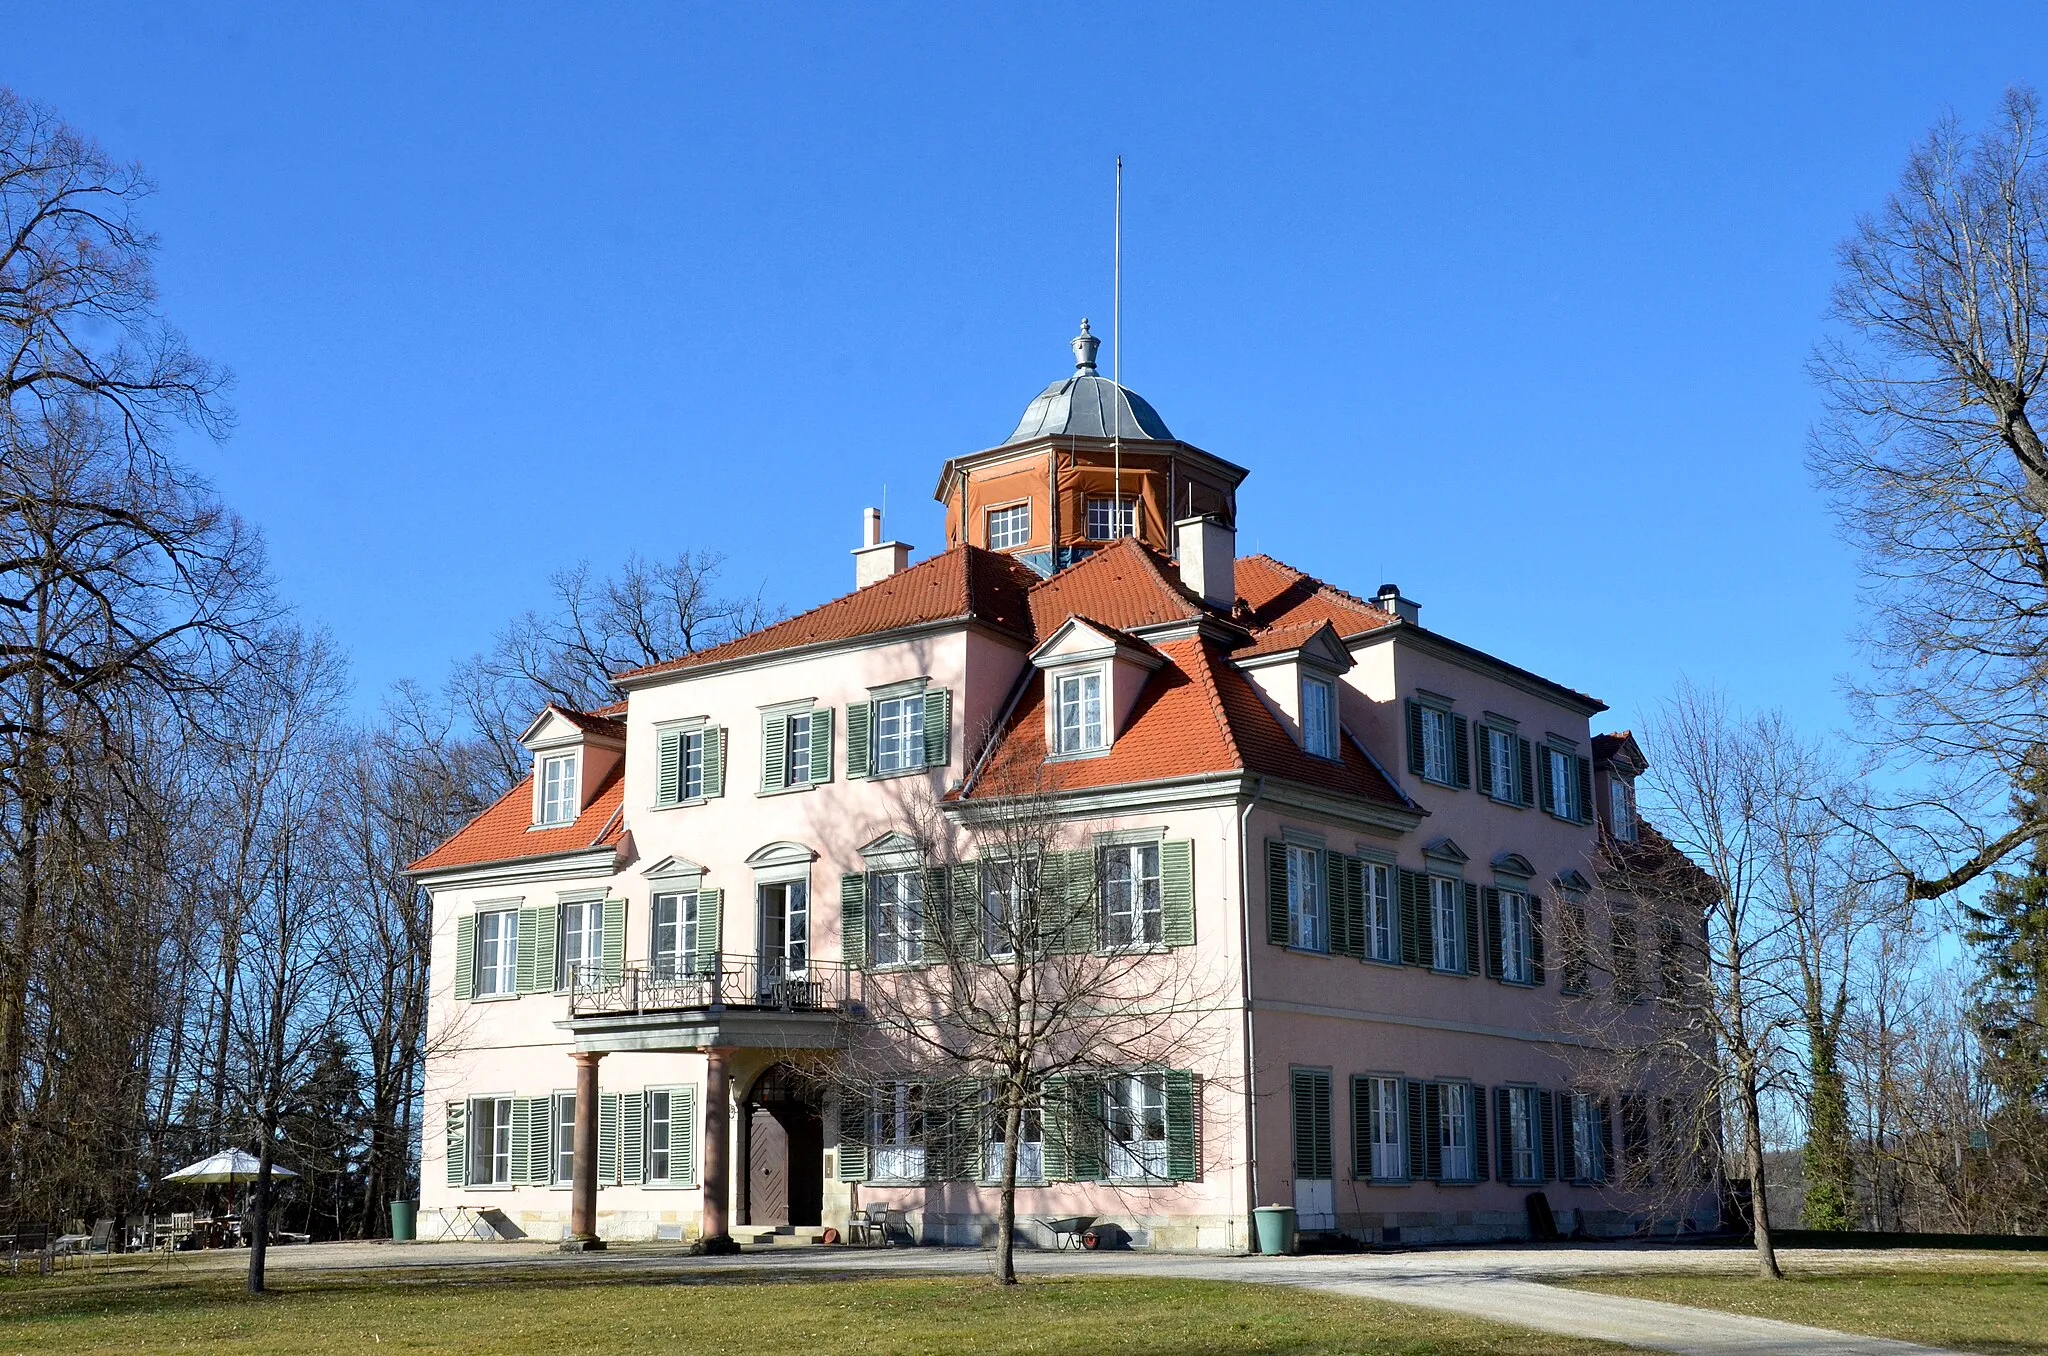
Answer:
[(732, 1002)]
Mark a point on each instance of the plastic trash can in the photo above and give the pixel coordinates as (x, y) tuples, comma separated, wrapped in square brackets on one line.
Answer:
[(1275, 1224), (405, 1217)]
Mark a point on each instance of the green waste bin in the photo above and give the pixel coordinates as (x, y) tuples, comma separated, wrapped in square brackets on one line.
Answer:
[(1276, 1229), (405, 1216)]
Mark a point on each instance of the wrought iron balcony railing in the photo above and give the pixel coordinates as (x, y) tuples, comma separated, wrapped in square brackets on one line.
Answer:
[(722, 982)]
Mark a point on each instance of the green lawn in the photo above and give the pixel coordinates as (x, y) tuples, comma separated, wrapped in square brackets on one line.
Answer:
[(478, 1313), (1986, 1306)]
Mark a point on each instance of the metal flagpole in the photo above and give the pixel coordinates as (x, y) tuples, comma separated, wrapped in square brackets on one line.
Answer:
[(1116, 358)]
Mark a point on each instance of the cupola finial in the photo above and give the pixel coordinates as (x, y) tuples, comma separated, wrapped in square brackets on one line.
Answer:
[(1085, 345)]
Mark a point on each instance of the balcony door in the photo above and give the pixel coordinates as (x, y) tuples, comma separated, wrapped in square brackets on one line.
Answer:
[(785, 930)]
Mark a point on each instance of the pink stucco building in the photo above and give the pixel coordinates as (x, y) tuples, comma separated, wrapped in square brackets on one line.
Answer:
[(1364, 834)]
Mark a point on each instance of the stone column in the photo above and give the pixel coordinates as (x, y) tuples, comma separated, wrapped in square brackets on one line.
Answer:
[(583, 1182), (717, 1136), (743, 1165)]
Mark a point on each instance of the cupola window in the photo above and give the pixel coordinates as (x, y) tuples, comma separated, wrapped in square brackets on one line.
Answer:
[(1009, 527), (1110, 518)]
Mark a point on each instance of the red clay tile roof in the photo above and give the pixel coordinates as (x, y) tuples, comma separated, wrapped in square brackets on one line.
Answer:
[(1281, 639), (1124, 585), (592, 722), (1606, 747), (1276, 594), (504, 832), (1197, 715), (964, 584)]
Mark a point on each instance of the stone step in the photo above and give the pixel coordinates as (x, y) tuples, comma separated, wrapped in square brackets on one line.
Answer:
[(779, 1236)]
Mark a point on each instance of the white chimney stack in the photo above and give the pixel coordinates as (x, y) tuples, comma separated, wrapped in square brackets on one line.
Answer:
[(1390, 600), (1208, 560), (874, 559)]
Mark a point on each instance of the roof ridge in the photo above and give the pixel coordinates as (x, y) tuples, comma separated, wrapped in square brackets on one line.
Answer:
[(1323, 584), (1205, 675)]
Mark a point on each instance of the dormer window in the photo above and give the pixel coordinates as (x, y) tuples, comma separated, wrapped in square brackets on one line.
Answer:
[(558, 789), (1009, 527), (1077, 713), (1621, 808), (1319, 717)]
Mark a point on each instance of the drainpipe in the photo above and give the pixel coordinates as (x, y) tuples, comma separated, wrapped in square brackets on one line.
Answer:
[(1251, 1110)]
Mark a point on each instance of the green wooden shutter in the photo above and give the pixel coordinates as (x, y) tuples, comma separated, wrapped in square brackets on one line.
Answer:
[(774, 752), (1471, 928), (971, 921), (821, 745), (1482, 754), (632, 1137), (1276, 892), (614, 941), (1536, 971), (1490, 898), (1361, 1128), (853, 1137), (1546, 788), (1418, 1140), (455, 1132), (1604, 1111), (1080, 898), (859, 715), (938, 726), (714, 761), (522, 1139), (607, 1138), (935, 919), (1525, 772), (683, 1131), (1085, 1143), (465, 957), (1183, 1126), (1057, 1116), (1311, 1096), (1504, 1140), (853, 925), (541, 1160), (1418, 920), (1567, 1140), (546, 923), (968, 1131), (1354, 870), (1546, 1131), (1461, 751), (1479, 1137), (669, 778), (1177, 891), (523, 980), (710, 931), (1432, 1131), (1415, 762), (1585, 790), (1337, 903)]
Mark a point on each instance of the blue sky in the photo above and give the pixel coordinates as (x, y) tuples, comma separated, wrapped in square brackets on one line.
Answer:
[(1510, 306)]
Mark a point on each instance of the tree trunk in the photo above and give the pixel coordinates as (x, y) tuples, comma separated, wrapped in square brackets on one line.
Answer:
[(1006, 1211), (1759, 1204)]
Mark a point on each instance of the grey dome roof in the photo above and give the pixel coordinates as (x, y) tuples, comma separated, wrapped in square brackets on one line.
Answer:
[(1089, 405)]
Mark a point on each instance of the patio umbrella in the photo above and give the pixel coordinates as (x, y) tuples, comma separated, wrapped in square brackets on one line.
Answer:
[(226, 1168)]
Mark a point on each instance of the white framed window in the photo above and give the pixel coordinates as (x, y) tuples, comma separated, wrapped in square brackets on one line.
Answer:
[(899, 1132), (1132, 905), (1588, 1159), (1564, 784), (1524, 1134), (895, 917), (1134, 1108), (786, 929), (1009, 527), (796, 759), (899, 733), (1621, 809), (662, 1128), (1078, 726), (1439, 757), (1503, 766), (1109, 518), (490, 1141), (1447, 905), (690, 761), (1319, 717), (497, 953), (1517, 938), (558, 789), (1030, 1141), (1384, 1127), (1308, 900), (579, 941), (1454, 1131), (673, 945), (1380, 939), (565, 1138)]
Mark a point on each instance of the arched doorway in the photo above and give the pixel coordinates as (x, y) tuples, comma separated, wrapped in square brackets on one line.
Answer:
[(784, 1181)]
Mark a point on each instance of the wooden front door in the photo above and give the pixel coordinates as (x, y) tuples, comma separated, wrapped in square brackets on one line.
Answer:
[(768, 1171)]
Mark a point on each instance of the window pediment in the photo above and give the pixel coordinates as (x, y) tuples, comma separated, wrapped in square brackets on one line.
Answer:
[(1445, 850), (1514, 864)]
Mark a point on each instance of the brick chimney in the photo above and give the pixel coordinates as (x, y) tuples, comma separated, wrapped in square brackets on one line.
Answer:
[(874, 559)]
